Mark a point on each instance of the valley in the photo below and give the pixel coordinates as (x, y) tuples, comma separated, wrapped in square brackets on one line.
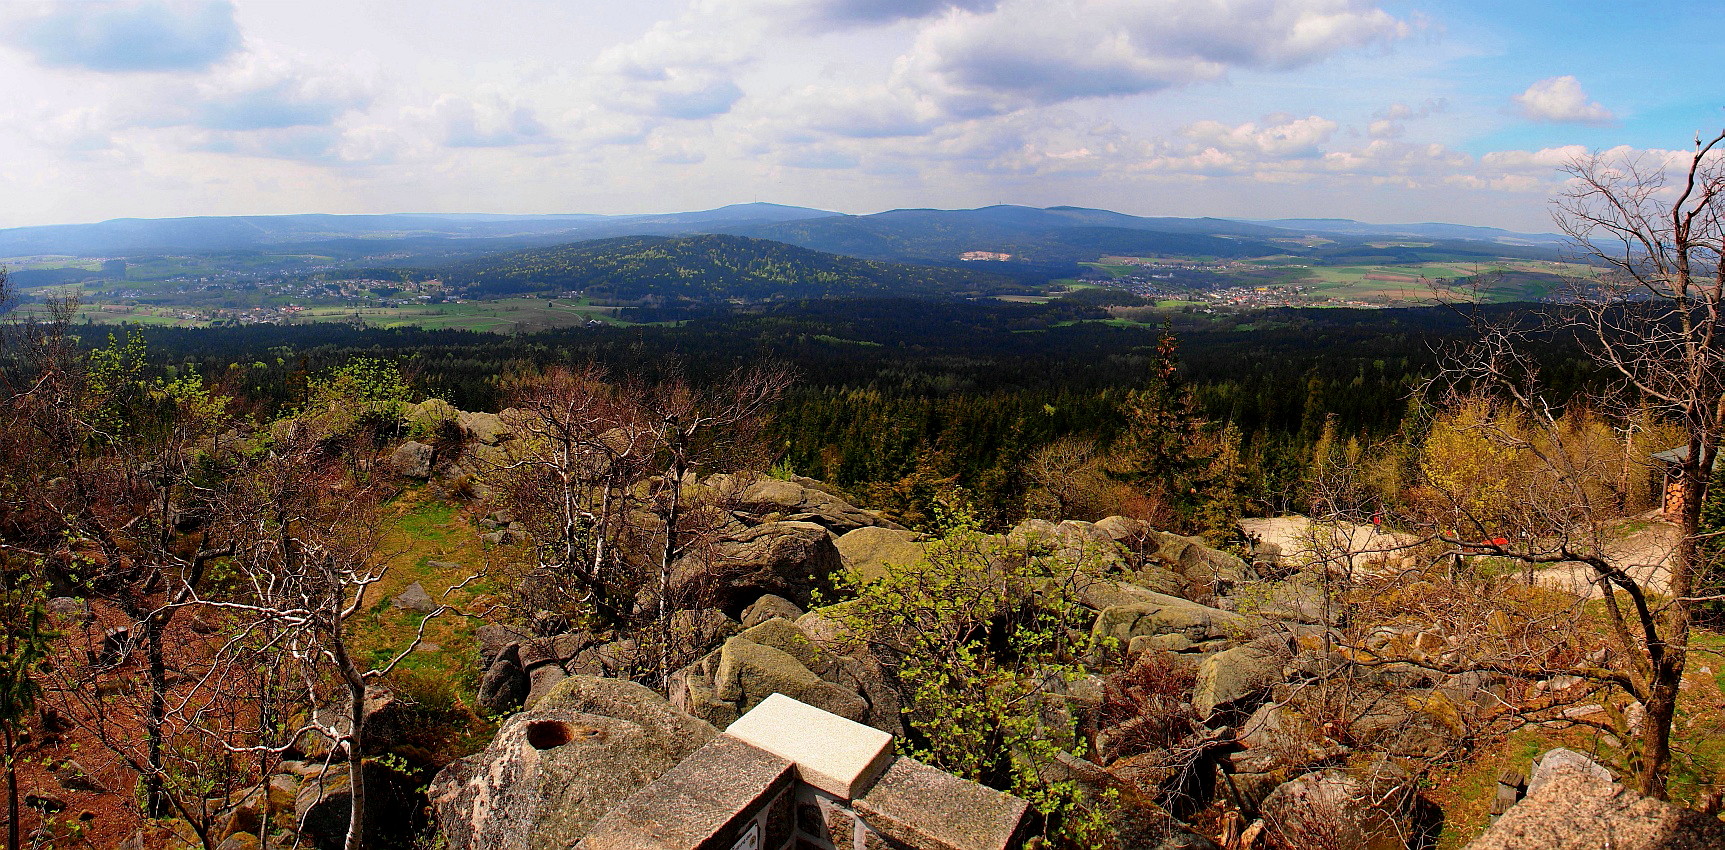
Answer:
[(484, 273)]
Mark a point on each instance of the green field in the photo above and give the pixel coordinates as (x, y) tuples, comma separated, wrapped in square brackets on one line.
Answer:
[(1427, 282), (505, 315), (1114, 269), (511, 314)]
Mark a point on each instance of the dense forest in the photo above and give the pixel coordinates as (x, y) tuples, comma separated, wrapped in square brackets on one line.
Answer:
[(899, 399), (706, 268)]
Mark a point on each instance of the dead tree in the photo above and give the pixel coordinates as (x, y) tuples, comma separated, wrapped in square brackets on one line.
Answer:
[(308, 560), (584, 450), (604, 481), (699, 431), (1654, 318)]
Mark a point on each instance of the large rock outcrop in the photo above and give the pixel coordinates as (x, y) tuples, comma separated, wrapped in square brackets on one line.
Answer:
[(1575, 808), (869, 551), (1236, 678), (553, 772), (803, 500), (1138, 612), (322, 805), (787, 559), (1377, 809), (778, 657)]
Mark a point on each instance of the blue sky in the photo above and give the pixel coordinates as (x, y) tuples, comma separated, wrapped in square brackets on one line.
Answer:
[(1382, 111)]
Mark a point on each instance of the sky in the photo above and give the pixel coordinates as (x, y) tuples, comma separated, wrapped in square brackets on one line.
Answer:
[(1447, 110)]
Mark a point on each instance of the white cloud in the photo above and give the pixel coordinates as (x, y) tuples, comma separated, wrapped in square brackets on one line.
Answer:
[(489, 122), (1391, 122), (264, 91), (1283, 138), (1561, 100), (680, 69), (836, 14), (1027, 52)]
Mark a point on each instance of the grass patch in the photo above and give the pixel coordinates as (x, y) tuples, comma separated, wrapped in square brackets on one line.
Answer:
[(433, 543)]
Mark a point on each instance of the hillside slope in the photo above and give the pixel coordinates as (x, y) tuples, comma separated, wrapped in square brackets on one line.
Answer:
[(706, 268), (1057, 235)]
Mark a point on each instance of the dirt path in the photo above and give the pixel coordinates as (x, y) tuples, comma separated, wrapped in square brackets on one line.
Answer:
[(1644, 553)]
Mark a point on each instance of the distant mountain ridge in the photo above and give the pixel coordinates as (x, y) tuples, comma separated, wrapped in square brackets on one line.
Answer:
[(706, 268), (228, 233), (1058, 235)]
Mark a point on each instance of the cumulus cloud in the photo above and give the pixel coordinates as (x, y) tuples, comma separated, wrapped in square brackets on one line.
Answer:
[(838, 14), (1281, 136), (860, 112), (1391, 122), (1026, 52), (673, 71), (267, 92), (147, 35), (1561, 100), (493, 122)]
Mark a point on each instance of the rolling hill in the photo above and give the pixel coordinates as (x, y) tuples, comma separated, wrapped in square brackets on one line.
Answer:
[(1059, 235), (706, 268), (418, 231)]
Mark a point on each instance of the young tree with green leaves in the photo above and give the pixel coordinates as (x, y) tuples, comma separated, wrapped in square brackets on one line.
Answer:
[(983, 635)]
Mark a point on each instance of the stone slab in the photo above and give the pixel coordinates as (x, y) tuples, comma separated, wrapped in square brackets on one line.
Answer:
[(838, 756), (931, 809), (708, 801)]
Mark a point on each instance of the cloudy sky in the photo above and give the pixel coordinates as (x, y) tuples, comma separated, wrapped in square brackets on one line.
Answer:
[(1451, 110)]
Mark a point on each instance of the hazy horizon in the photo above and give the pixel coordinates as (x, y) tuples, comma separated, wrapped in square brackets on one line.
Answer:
[(652, 213)]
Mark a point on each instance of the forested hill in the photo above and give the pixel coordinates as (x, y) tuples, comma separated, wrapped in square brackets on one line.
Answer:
[(1058, 235), (707, 268)]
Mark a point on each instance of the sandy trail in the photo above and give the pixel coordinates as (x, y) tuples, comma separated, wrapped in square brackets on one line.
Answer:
[(1644, 552)]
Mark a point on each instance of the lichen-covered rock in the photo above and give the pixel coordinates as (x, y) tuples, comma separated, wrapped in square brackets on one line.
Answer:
[(829, 624), (239, 841), (768, 607), (1330, 808), (1575, 808), (540, 681), (1297, 601), (1208, 572), (735, 678), (1547, 766), (415, 598), (381, 723), (1123, 529), (788, 559), (493, 639), (1235, 678), (695, 632), (484, 428), (412, 460), (869, 551), (322, 807), (773, 498), (626, 700), (1159, 614), (553, 772)]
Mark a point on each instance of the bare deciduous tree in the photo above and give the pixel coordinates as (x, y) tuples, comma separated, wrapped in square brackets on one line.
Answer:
[(604, 483), (1654, 318)]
